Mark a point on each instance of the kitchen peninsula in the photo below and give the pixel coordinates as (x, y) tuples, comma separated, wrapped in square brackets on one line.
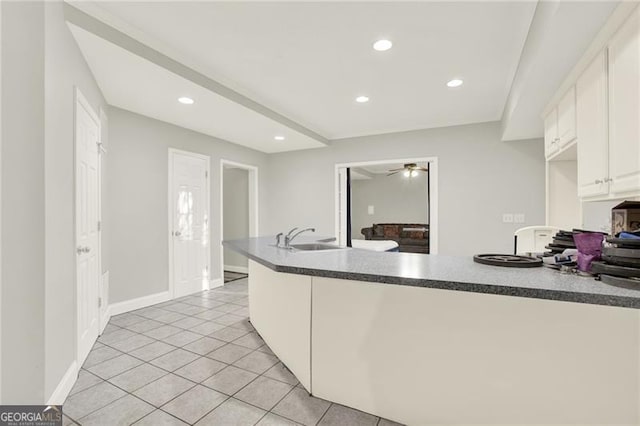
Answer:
[(415, 338)]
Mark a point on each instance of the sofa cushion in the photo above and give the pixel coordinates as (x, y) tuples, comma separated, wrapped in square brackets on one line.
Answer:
[(392, 231), (414, 241), (414, 234)]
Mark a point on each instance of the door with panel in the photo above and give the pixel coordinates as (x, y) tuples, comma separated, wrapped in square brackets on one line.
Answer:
[(593, 145), (87, 137), (189, 188), (624, 107)]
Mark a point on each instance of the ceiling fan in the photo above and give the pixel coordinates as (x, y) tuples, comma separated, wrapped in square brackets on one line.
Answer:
[(410, 170)]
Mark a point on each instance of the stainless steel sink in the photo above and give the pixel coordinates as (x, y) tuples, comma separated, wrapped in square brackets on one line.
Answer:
[(315, 247)]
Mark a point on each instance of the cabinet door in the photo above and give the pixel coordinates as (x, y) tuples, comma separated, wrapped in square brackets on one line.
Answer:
[(567, 118), (551, 133), (591, 123), (624, 107)]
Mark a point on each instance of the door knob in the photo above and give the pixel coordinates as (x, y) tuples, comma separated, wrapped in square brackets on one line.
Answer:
[(81, 249), (177, 233)]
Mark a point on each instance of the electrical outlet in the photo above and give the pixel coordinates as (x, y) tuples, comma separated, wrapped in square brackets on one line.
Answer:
[(370, 210), (518, 218), (507, 217)]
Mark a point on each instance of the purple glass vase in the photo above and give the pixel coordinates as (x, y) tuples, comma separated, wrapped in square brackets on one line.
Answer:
[(589, 247)]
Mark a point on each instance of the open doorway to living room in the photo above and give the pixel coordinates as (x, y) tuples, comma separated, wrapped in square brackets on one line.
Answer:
[(388, 205)]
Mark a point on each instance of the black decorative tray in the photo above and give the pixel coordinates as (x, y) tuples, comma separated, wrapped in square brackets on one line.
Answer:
[(507, 260)]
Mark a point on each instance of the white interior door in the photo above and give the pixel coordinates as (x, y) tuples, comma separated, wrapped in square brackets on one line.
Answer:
[(87, 228), (189, 222)]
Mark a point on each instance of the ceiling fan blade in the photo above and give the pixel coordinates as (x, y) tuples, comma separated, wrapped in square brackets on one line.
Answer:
[(393, 173), (396, 170)]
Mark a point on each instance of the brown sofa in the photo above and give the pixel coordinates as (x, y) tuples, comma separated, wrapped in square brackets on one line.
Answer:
[(411, 237)]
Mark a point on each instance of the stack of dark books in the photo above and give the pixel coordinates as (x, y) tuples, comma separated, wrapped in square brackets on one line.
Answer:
[(620, 263)]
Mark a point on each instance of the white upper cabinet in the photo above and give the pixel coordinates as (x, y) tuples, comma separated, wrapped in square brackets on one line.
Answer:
[(560, 125), (567, 118), (591, 113), (551, 133), (624, 107)]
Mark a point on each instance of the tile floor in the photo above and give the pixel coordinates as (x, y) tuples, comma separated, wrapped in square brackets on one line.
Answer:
[(195, 360)]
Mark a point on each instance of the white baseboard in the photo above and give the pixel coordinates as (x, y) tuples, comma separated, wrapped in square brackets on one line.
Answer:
[(238, 269), (61, 392), (104, 319), (140, 302), (105, 309), (218, 282)]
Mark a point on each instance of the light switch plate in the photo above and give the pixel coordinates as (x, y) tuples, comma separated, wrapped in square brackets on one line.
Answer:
[(518, 218), (507, 217), (370, 210)]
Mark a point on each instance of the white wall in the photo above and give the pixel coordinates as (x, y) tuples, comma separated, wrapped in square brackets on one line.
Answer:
[(236, 212), (65, 69), (564, 203), (41, 68), (479, 177), (23, 198), (137, 205), (395, 199)]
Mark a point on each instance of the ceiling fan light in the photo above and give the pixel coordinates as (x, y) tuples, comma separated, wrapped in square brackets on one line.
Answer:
[(407, 173), (414, 173)]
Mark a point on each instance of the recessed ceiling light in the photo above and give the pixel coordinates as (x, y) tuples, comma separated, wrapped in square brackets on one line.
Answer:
[(279, 138), (455, 83), (362, 99), (185, 100), (382, 45)]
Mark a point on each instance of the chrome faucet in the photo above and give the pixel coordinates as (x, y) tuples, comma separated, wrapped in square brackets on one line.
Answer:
[(288, 238), (290, 232), (278, 239)]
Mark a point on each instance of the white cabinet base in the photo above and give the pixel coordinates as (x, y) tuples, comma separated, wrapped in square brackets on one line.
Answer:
[(423, 356), (280, 311), (432, 357)]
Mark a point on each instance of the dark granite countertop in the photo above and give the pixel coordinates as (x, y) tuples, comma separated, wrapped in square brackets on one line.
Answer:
[(434, 271)]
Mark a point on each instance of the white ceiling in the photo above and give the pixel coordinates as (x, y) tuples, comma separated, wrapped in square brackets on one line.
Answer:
[(135, 84), (308, 61), (384, 168), (295, 68), (559, 36), (374, 170)]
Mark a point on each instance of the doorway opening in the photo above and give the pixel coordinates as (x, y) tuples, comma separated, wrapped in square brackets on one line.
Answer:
[(398, 197), (238, 214)]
